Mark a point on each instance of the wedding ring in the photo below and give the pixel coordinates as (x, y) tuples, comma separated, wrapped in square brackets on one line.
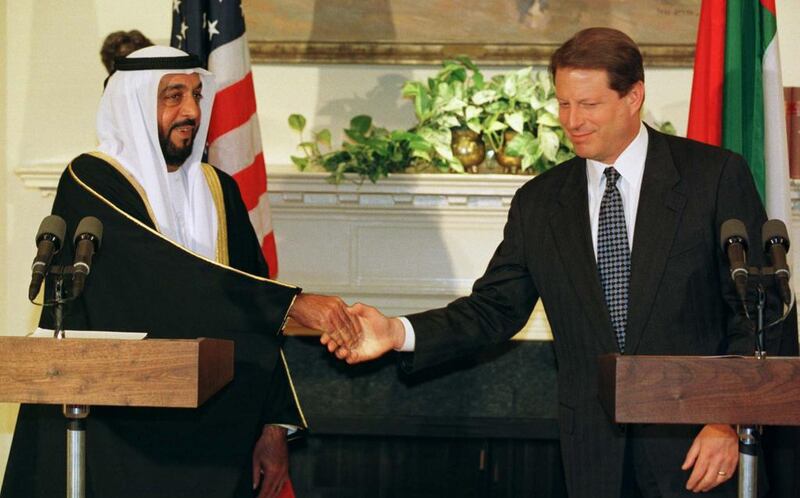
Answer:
[(722, 474)]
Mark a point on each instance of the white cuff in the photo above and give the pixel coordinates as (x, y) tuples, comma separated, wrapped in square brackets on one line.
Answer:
[(410, 339), (290, 429)]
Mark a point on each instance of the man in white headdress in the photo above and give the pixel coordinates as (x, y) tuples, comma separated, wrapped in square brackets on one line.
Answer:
[(179, 260)]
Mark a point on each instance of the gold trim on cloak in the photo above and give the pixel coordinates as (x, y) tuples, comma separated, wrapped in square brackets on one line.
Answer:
[(294, 392), (212, 179), (128, 176)]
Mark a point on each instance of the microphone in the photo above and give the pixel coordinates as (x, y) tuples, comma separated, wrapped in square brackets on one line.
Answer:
[(88, 236), (734, 242), (776, 244), (48, 243)]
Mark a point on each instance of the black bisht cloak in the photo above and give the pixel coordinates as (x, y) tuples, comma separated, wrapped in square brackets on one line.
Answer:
[(140, 281)]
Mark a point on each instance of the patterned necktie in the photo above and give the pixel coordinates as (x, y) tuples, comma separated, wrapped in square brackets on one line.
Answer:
[(613, 256)]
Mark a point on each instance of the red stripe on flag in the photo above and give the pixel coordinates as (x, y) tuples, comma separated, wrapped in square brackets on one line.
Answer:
[(705, 112), (252, 181), (769, 5), (233, 106), (270, 253)]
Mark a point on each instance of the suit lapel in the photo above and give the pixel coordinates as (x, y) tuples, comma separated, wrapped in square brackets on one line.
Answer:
[(660, 207), (573, 236)]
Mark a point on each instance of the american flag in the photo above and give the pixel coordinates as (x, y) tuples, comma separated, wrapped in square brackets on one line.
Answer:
[(214, 31)]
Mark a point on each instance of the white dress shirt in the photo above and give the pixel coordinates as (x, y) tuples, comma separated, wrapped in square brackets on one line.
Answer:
[(630, 166)]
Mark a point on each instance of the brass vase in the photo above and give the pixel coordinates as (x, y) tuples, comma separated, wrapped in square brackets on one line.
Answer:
[(510, 164), (468, 147)]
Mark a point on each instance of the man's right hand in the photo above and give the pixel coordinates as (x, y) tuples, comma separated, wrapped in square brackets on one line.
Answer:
[(378, 335), (328, 314)]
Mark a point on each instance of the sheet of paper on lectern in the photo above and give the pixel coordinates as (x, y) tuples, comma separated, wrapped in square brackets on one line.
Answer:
[(89, 334)]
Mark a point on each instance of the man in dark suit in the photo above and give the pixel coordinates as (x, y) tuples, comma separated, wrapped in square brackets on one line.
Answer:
[(567, 242)]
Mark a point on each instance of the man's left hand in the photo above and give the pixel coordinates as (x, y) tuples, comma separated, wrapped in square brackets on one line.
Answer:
[(271, 461), (714, 455)]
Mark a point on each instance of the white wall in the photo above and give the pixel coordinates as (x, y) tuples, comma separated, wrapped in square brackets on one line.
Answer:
[(50, 82)]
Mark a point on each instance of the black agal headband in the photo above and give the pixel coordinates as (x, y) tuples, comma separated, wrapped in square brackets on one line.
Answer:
[(147, 63), (154, 63)]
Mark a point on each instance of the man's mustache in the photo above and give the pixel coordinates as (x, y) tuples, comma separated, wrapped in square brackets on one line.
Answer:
[(185, 122)]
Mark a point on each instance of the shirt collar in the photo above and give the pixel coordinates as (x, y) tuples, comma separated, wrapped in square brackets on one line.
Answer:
[(629, 164)]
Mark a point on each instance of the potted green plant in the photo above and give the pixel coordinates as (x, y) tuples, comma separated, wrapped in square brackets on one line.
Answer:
[(520, 121), (370, 152), (447, 118)]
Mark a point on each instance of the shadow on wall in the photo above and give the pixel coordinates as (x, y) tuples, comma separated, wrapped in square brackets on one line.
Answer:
[(383, 101)]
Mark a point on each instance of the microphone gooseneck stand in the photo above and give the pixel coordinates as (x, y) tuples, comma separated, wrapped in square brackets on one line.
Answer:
[(750, 435), (88, 236), (75, 414)]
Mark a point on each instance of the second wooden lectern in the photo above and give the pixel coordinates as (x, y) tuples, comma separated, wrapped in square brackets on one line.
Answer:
[(741, 391)]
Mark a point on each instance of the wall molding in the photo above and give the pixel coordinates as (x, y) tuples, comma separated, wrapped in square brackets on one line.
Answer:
[(288, 187), (41, 176)]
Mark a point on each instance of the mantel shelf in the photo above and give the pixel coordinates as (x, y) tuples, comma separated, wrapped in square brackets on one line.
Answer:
[(289, 187)]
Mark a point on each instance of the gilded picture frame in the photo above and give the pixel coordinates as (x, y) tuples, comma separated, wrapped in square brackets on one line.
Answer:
[(491, 32)]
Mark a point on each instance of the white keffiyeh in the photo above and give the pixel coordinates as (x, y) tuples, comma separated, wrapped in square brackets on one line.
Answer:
[(127, 128)]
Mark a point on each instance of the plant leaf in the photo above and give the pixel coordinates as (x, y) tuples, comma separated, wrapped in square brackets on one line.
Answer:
[(300, 162), (527, 160), (545, 82), (412, 88), (516, 120), (510, 87), (521, 145), (551, 106), (361, 124), (450, 121), (467, 62), (355, 136), (297, 122), (484, 97), (422, 154), (547, 119), (472, 112), (477, 80), (496, 126), (455, 165), (474, 124), (549, 143), (324, 137)]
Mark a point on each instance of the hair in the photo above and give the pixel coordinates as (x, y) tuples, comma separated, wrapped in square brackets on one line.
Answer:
[(607, 49), (120, 44)]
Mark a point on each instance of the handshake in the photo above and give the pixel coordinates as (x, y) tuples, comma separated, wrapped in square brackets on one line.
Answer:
[(351, 333)]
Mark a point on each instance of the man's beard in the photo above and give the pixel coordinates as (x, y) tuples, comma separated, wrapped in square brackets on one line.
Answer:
[(175, 155)]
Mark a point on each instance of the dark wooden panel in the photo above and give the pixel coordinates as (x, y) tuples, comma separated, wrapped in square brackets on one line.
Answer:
[(462, 427), (526, 468), (368, 467), (405, 467), (506, 391), (697, 390)]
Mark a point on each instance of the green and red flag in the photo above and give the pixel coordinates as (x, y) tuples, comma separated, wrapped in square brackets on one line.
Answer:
[(737, 93)]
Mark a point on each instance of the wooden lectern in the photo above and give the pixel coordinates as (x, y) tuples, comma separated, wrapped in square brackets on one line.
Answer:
[(78, 373), (741, 391)]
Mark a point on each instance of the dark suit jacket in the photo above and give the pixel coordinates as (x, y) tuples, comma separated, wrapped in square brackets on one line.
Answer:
[(681, 302)]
